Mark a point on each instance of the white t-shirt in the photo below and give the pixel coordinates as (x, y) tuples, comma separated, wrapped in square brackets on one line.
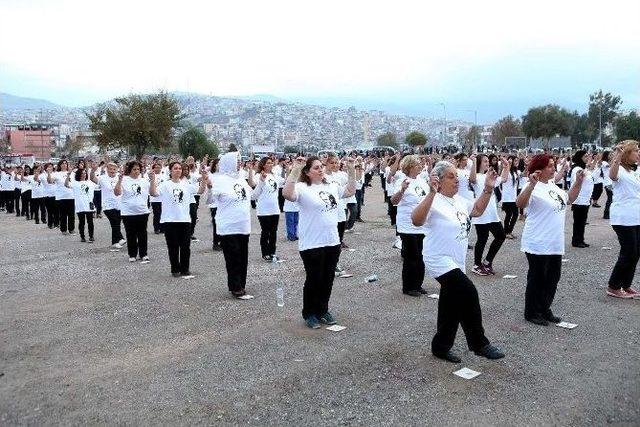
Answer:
[(37, 187), (6, 181), (463, 184), (318, 223), (160, 178), (83, 195), (597, 175), (606, 179), (396, 181), (446, 232), (625, 206), (584, 197), (413, 195), (266, 195), (135, 193), (278, 171), (62, 192), (337, 180), (290, 206), (543, 232), (509, 189), (49, 190), (175, 199), (211, 201), (490, 214), (26, 185), (109, 199), (233, 197)]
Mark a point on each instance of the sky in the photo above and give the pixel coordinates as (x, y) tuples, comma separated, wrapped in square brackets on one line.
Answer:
[(492, 57)]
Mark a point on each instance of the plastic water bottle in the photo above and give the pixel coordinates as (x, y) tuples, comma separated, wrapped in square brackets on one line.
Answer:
[(280, 295), (370, 279)]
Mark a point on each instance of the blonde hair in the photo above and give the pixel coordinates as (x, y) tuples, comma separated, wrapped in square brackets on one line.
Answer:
[(629, 146), (408, 162)]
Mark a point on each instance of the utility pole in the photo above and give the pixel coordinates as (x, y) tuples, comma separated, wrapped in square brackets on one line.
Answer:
[(600, 127), (444, 111)]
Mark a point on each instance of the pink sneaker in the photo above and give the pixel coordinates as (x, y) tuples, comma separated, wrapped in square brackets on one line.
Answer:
[(488, 268), (632, 292), (480, 270), (618, 293)]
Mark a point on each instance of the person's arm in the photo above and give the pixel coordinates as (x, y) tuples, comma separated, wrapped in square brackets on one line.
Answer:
[(504, 175), (397, 196), (250, 180), (420, 213), (481, 202), (153, 185), (473, 173), (523, 198), (614, 167), (67, 181), (393, 170), (92, 177), (117, 190), (574, 191), (259, 187), (50, 179), (204, 179), (289, 189), (350, 188)]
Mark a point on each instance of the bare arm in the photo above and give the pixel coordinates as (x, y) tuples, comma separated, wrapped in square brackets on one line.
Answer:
[(420, 213), (350, 189), (92, 177), (615, 164), (393, 170), (153, 185), (576, 186), (523, 198), (289, 189), (117, 190), (481, 202), (397, 196), (472, 175)]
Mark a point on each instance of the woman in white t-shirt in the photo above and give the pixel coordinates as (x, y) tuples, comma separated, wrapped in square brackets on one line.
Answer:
[(446, 220), (83, 200), (211, 202), (319, 242), (64, 198), (489, 221), (265, 194), (175, 195), (156, 202), (38, 210), (409, 193), (232, 194), (625, 218), (466, 171), (110, 202), (607, 183), (580, 207), (333, 175), (26, 189), (543, 235), (134, 192), (509, 194), (49, 196)]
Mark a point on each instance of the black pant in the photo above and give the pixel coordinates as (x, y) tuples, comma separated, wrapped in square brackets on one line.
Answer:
[(458, 304), (97, 201), (352, 214), (25, 197), (542, 281), (268, 233), (367, 179), (607, 205), (113, 215), (625, 268), (52, 211), (156, 207), (235, 248), (88, 217), (392, 211), (193, 214), (6, 200), (341, 227), (597, 192), (320, 268), (135, 227), (580, 213), (483, 230), (280, 200), (412, 263), (178, 245), (38, 209), (510, 216), (216, 238), (16, 200), (66, 213), (360, 202)]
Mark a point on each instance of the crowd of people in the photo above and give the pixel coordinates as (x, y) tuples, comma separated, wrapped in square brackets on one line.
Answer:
[(432, 202)]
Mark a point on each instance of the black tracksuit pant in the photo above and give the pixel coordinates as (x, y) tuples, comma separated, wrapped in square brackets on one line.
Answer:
[(580, 214), (625, 267), (66, 215), (483, 230), (52, 211), (607, 205), (38, 210), (510, 216), (178, 238), (88, 218), (135, 227), (113, 215), (320, 268), (412, 263), (25, 198), (97, 201), (156, 207), (216, 237), (268, 233), (542, 282), (235, 248), (458, 304), (16, 200)]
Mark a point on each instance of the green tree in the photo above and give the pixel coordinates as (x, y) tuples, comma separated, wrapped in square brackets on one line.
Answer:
[(583, 132), (547, 121), (470, 138), (290, 149), (416, 139), (136, 123), (505, 127), (388, 139), (628, 127), (608, 105), (194, 142)]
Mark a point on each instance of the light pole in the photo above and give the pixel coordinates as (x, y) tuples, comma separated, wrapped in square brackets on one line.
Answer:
[(444, 111), (600, 125)]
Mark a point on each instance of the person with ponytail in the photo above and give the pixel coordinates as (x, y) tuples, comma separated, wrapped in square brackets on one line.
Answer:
[(580, 207), (509, 194)]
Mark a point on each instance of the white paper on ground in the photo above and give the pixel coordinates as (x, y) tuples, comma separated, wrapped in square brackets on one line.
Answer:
[(336, 328), (509, 276), (246, 296), (144, 262), (280, 261), (566, 325), (191, 276), (345, 275), (114, 250), (606, 248), (433, 296), (351, 250), (298, 360), (466, 373), (565, 260)]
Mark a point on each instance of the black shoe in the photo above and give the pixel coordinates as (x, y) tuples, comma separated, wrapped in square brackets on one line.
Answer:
[(423, 291), (82, 239), (538, 320), (156, 232), (413, 293), (217, 248), (175, 274), (552, 318), (595, 205), (490, 352), (580, 245), (449, 357)]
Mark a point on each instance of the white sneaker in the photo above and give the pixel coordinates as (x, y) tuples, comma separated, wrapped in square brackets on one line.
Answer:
[(144, 260), (132, 259), (351, 230), (116, 246), (398, 243), (122, 242)]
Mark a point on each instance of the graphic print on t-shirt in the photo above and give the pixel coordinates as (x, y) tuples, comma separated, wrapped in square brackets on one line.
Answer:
[(561, 205), (84, 188), (420, 191), (135, 189), (178, 195), (272, 185), (329, 201), (465, 225), (240, 192)]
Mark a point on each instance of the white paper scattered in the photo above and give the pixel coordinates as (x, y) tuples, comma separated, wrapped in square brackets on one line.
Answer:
[(606, 248), (190, 276), (280, 261), (114, 250), (565, 260), (433, 296), (345, 275), (246, 296), (566, 325), (336, 328), (298, 360), (195, 240), (466, 373), (144, 262), (509, 276), (351, 250)]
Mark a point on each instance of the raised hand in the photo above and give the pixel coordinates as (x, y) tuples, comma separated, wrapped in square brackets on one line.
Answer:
[(579, 176), (405, 184), (534, 178), (434, 183), (490, 180)]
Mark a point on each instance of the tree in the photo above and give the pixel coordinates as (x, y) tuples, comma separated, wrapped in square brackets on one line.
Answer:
[(290, 149), (628, 127), (608, 104), (416, 139), (583, 132), (136, 122), (505, 127), (194, 142), (547, 121), (470, 138), (388, 139)]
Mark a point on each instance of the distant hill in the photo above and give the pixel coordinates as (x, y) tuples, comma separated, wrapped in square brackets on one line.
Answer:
[(12, 102)]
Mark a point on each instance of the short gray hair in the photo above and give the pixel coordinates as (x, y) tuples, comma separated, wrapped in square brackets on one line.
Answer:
[(440, 168)]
